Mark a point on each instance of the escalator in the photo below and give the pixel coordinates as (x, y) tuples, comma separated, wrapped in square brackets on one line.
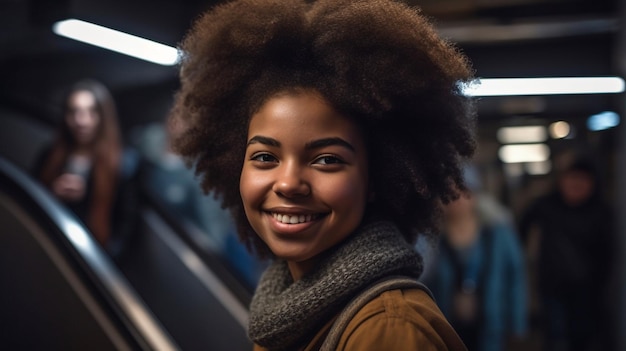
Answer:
[(61, 291), (195, 295)]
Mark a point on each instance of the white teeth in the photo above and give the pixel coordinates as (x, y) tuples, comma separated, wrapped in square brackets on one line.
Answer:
[(287, 219)]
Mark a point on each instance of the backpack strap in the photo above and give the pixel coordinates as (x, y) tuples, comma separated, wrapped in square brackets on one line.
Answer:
[(355, 305)]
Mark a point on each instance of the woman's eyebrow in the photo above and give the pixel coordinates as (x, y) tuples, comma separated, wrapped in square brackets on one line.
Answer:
[(264, 140), (316, 144), (329, 142)]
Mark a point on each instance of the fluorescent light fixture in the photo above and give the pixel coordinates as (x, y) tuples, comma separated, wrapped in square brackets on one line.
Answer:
[(602, 121), (518, 153), (117, 41), (544, 86), (559, 129), (522, 134)]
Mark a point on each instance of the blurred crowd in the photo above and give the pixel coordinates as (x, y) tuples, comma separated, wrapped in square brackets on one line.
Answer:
[(539, 280)]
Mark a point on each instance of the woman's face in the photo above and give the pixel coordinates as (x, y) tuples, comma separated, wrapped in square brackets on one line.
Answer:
[(304, 182), (82, 116)]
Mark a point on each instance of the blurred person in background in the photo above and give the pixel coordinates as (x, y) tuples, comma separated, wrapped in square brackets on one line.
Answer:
[(478, 271), (570, 234), (88, 168), (175, 187)]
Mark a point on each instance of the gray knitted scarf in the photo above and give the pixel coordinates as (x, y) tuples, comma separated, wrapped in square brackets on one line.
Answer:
[(284, 315)]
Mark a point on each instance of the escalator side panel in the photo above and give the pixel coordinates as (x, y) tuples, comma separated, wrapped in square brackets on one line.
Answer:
[(194, 317), (43, 304), (39, 237)]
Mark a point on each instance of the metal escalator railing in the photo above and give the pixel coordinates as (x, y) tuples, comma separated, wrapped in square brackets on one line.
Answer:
[(185, 289), (60, 289), (194, 263)]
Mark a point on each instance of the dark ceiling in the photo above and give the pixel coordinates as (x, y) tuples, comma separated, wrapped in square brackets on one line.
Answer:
[(503, 38)]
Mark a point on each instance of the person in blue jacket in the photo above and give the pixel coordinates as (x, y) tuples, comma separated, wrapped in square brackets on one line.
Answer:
[(478, 274)]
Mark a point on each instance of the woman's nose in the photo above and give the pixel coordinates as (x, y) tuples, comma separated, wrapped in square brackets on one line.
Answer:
[(291, 182)]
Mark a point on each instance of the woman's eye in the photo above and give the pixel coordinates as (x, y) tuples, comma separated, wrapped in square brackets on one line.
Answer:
[(328, 160), (263, 158)]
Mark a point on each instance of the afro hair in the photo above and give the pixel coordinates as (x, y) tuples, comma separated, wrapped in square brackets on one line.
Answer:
[(380, 62)]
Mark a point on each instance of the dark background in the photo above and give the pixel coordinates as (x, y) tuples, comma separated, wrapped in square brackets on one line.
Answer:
[(503, 38), (526, 38)]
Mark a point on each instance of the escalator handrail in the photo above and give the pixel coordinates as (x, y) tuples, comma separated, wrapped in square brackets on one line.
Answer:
[(198, 268), (199, 241), (93, 257)]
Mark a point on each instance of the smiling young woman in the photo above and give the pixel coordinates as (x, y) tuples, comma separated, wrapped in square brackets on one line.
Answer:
[(333, 131), (304, 182)]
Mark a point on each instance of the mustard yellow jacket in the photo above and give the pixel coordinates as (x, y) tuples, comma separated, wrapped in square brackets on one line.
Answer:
[(397, 320)]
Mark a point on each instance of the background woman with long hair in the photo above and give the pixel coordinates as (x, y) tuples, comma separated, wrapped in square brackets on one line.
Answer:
[(82, 164)]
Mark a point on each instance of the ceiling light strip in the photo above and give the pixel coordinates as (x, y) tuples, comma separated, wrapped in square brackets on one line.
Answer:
[(117, 41), (544, 86)]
